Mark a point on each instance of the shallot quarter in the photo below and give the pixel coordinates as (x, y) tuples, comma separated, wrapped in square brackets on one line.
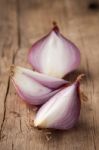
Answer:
[(54, 54), (33, 87), (62, 110)]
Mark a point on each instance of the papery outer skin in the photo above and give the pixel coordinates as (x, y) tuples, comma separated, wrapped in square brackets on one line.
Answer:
[(28, 85), (54, 55), (61, 111)]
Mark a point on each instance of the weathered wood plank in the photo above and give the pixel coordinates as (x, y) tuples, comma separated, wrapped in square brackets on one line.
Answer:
[(28, 22), (8, 48)]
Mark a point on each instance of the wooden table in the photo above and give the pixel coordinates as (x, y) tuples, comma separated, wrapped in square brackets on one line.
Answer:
[(21, 23)]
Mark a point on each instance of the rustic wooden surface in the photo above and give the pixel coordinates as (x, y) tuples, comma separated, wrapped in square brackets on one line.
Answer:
[(22, 23)]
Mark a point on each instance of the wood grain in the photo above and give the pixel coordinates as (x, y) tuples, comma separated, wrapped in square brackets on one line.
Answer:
[(22, 23)]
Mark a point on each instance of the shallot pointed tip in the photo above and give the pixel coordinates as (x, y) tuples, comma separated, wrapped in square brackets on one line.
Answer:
[(40, 124), (55, 27), (80, 77)]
